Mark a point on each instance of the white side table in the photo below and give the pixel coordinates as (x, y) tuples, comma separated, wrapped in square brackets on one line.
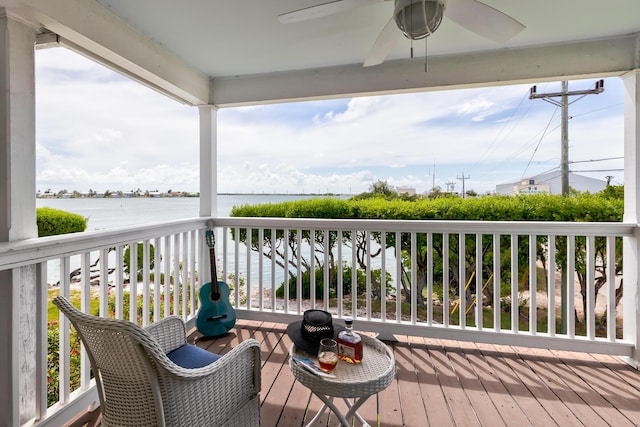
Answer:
[(357, 382)]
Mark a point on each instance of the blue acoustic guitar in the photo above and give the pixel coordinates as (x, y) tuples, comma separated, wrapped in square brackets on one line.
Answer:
[(216, 316)]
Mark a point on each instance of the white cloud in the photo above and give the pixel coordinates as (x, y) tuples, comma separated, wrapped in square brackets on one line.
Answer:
[(99, 130)]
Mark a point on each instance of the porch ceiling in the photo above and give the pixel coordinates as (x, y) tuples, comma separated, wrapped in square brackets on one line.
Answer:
[(232, 53)]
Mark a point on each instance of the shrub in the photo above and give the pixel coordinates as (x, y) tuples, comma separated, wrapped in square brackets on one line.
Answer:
[(53, 362), (333, 283), (140, 264), (52, 222)]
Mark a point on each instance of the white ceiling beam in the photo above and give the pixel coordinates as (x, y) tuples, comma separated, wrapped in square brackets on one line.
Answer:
[(94, 31), (601, 58)]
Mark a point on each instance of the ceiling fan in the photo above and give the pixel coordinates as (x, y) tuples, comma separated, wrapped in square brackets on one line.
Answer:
[(417, 19)]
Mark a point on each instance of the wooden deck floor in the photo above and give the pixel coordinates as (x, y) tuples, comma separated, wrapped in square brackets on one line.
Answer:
[(450, 383)]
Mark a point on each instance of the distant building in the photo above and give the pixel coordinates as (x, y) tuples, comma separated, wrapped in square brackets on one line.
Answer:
[(550, 183), (410, 191)]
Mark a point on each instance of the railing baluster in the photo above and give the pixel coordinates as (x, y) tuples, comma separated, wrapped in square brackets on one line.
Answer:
[(146, 256), (119, 282), (354, 276), (326, 283), (533, 285), (175, 255), (299, 267), (247, 244), (430, 279), (446, 306), (260, 269), (515, 307), (479, 281), (157, 274), (193, 238), (104, 282), (273, 269), (383, 276), (236, 258), (571, 318), (590, 309), (285, 268), (551, 286), (414, 278), (312, 267), (367, 237), (185, 274), (340, 290), (167, 276), (399, 276), (497, 277), (462, 281), (611, 288), (133, 282)]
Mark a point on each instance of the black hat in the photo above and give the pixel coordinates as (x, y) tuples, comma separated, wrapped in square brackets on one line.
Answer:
[(315, 325)]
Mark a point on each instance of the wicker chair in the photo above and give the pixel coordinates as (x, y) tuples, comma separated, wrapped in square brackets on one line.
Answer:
[(139, 385)]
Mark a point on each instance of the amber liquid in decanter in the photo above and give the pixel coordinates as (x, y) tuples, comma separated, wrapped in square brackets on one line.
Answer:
[(349, 344)]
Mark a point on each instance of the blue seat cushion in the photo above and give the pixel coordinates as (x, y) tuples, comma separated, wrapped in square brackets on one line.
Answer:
[(190, 356)]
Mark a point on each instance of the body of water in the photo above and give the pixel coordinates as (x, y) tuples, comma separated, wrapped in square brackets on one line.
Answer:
[(111, 213), (121, 212)]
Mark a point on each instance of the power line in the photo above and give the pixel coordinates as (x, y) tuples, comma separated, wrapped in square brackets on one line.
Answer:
[(544, 133), (597, 160)]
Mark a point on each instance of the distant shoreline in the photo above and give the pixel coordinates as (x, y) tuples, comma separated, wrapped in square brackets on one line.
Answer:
[(186, 195)]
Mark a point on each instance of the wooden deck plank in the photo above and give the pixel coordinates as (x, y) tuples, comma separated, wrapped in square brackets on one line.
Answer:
[(389, 401), (530, 406), (438, 413), (619, 408), (459, 406), (293, 414), (482, 405), (571, 393), (558, 409), (503, 401), (277, 379), (451, 384), (409, 388)]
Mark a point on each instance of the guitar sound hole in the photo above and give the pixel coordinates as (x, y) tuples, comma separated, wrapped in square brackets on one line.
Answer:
[(215, 296)]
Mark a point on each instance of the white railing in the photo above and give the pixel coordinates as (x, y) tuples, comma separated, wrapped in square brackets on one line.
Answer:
[(431, 250), (424, 280)]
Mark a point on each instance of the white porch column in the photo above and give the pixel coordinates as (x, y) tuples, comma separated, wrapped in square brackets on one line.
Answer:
[(208, 160), (631, 266), (18, 295)]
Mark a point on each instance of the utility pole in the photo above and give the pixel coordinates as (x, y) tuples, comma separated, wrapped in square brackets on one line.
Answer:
[(564, 103), (463, 178), (564, 167), (450, 186)]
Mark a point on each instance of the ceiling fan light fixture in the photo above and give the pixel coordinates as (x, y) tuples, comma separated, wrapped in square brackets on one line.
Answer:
[(418, 19)]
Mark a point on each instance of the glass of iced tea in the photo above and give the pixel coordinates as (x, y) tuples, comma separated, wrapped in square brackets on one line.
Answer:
[(328, 354)]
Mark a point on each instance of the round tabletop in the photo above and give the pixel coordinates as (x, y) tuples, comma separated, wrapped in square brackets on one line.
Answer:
[(372, 375)]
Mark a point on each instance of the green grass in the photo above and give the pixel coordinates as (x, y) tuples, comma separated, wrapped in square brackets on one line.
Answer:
[(53, 314)]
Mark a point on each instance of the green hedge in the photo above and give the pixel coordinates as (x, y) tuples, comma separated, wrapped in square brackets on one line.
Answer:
[(52, 222), (583, 207)]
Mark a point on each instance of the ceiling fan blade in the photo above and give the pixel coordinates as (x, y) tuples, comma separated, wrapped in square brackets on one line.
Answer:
[(383, 44), (483, 20), (320, 10)]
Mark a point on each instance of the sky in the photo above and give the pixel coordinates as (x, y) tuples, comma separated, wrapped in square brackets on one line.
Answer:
[(98, 130)]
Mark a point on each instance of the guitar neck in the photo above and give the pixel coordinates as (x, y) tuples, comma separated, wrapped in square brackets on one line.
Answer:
[(214, 270)]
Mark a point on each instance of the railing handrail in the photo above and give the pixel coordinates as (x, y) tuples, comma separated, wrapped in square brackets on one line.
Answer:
[(32, 251), (437, 226)]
